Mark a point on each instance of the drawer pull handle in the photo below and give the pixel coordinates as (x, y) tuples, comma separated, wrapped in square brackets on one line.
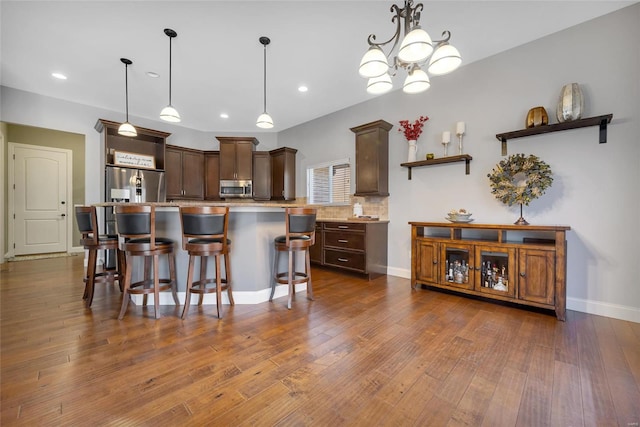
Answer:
[(343, 260), (343, 226), (343, 241)]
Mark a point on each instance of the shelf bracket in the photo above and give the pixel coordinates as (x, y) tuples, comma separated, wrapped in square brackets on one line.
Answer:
[(603, 130), (504, 146), (409, 172)]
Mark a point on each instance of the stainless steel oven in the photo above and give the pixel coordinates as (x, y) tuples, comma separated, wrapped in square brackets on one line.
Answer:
[(236, 189)]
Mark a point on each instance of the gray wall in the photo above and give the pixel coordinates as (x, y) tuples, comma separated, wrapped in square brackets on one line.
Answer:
[(595, 188)]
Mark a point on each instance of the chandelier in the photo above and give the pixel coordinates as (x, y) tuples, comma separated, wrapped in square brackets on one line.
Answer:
[(416, 51)]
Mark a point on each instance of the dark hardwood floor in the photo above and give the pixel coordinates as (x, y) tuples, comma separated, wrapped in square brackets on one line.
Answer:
[(363, 353)]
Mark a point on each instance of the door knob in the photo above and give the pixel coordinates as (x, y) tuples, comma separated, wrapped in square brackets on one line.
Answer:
[(63, 215)]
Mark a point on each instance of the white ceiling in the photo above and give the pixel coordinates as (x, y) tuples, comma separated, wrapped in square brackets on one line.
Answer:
[(217, 59)]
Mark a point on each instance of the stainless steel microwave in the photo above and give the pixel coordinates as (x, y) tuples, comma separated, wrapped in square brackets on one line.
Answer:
[(236, 189)]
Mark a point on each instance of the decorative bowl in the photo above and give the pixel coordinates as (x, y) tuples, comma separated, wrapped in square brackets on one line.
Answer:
[(459, 217)]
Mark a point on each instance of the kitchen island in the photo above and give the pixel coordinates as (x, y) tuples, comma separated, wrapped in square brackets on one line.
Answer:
[(252, 228)]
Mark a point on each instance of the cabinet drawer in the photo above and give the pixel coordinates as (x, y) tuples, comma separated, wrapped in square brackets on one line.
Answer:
[(344, 226), (344, 240), (349, 260)]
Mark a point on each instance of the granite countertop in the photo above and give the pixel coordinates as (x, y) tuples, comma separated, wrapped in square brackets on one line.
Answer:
[(244, 204)]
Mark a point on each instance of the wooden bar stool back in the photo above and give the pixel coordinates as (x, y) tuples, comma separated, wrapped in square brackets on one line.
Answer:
[(87, 220), (300, 226), (136, 226), (204, 234)]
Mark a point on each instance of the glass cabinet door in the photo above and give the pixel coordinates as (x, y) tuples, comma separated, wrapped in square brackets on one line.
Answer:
[(495, 270), (456, 265)]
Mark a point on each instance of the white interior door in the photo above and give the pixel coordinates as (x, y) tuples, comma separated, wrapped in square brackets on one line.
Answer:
[(41, 189)]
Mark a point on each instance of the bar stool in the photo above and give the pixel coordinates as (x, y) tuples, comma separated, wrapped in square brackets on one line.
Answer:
[(137, 230), (204, 234), (300, 226), (87, 220)]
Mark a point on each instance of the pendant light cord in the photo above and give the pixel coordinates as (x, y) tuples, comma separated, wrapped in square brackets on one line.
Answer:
[(170, 70), (126, 88), (265, 78)]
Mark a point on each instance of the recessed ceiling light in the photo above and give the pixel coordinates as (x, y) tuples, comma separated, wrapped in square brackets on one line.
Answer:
[(59, 76), (152, 74), (224, 115), (303, 88)]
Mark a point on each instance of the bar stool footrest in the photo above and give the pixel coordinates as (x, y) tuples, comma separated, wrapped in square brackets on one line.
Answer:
[(298, 277)]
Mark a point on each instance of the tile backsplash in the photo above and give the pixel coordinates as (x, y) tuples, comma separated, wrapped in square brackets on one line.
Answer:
[(375, 206)]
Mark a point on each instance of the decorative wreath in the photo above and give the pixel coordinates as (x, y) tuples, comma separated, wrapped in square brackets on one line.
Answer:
[(520, 179)]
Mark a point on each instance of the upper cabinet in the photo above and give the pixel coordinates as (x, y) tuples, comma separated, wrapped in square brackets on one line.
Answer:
[(149, 144), (261, 175), (236, 157), (372, 158), (184, 173), (283, 173), (212, 175)]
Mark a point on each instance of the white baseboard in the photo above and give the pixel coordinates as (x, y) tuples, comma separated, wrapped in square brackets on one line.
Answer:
[(239, 297), (616, 311), (622, 312)]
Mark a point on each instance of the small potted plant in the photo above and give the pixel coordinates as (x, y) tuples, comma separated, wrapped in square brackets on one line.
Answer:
[(411, 132)]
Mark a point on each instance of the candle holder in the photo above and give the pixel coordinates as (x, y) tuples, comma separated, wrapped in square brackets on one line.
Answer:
[(460, 128), (445, 144)]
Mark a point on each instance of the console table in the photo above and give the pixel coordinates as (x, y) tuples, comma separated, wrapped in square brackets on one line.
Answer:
[(522, 264)]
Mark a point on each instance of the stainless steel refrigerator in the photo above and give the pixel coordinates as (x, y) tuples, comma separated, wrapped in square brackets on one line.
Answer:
[(129, 185)]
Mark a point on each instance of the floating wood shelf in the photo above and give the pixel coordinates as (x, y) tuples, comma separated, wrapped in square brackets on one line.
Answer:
[(601, 121), (450, 159)]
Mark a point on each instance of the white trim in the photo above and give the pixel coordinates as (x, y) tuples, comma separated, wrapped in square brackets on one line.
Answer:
[(11, 183), (239, 297), (616, 311)]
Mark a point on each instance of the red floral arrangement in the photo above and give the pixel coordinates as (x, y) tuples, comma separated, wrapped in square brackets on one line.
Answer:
[(412, 131)]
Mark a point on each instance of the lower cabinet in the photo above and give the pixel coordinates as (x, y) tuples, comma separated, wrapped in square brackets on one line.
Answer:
[(354, 246), (480, 260)]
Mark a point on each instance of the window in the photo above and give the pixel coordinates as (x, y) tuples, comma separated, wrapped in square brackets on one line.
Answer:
[(329, 183)]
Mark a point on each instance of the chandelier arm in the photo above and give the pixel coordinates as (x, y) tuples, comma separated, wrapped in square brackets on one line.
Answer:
[(396, 36), (447, 36)]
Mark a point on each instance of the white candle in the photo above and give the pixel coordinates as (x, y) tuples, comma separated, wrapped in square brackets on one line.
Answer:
[(460, 128), (446, 136)]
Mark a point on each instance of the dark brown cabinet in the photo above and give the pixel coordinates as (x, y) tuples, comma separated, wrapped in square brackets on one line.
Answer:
[(148, 142), (236, 157), (360, 247), (372, 158), (184, 169), (315, 251), (283, 173), (478, 259), (261, 175), (212, 175)]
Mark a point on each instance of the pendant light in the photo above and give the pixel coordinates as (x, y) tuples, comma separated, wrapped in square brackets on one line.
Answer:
[(169, 113), (264, 120), (127, 129)]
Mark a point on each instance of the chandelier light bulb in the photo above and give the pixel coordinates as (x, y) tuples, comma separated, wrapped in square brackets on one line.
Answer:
[(445, 59), (416, 46), (374, 63), (417, 81), (379, 85)]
